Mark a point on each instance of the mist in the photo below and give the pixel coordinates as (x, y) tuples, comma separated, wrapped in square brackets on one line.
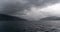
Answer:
[(28, 9)]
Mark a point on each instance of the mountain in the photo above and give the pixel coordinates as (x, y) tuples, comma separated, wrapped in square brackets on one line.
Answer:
[(11, 23), (51, 18), (4, 17)]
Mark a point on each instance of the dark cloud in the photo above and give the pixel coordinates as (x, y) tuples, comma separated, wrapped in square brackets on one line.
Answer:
[(13, 6)]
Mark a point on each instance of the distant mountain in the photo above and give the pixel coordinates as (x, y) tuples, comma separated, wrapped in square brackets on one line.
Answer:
[(4, 17), (51, 18), (11, 23)]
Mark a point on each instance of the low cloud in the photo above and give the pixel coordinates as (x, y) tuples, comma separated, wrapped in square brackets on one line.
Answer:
[(29, 9)]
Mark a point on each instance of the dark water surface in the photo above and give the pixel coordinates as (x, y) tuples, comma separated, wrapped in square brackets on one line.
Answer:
[(15, 24)]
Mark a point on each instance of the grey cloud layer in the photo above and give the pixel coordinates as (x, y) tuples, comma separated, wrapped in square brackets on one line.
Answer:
[(17, 7), (13, 6)]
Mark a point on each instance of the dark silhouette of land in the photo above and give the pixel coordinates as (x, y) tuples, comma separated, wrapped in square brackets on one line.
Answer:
[(10, 23), (4, 17), (51, 18)]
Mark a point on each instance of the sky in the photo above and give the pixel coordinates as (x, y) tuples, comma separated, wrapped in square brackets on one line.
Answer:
[(30, 9)]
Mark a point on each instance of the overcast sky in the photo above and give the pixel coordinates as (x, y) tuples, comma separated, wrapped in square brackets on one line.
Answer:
[(30, 9)]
